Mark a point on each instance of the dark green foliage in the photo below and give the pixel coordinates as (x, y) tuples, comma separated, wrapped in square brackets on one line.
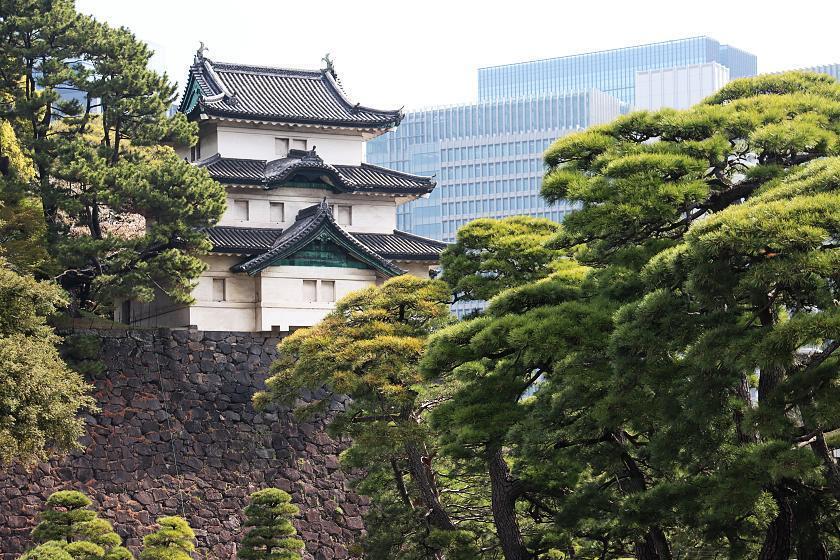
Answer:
[(82, 352), (271, 533), (123, 214), (491, 255), (68, 523), (173, 540), (729, 235), (602, 404)]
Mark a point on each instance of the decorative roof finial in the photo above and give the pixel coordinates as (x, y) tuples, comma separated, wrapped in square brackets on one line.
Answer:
[(199, 54), (329, 65)]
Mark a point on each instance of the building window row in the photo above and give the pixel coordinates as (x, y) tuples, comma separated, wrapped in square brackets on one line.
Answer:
[(475, 170), (319, 291), (485, 151), (484, 188), (240, 210)]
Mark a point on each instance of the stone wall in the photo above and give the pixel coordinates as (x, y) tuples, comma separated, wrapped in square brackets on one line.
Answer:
[(177, 435)]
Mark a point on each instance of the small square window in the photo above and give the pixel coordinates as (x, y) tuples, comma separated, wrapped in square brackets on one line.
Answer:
[(219, 289), (277, 212), (298, 144), (239, 210), (345, 215), (281, 147), (327, 290), (310, 290)]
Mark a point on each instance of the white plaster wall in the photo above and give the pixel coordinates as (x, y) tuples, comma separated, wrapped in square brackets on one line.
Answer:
[(369, 214), (223, 316), (258, 143), (272, 300), (418, 269), (281, 294)]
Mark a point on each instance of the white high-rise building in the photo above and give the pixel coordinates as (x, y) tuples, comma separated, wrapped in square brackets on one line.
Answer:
[(679, 87)]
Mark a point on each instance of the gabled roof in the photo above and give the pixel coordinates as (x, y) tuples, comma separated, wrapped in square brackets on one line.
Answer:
[(399, 245), (316, 222), (280, 95), (308, 166)]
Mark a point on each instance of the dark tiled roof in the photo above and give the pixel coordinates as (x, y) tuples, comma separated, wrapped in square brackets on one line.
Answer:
[(399, 245), (402, 245), (282, 95), (242, 241), (307, 165), (309, 224)]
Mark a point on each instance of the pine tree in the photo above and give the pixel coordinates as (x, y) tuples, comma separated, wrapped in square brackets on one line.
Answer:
[(271, 536), (123, 214), (369, 349), (69, 523), (731, 233), (50, 550), (173, 540), (39, 395), (705, 243)]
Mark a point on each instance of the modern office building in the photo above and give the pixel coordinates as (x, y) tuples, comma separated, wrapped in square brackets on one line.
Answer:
[(611, 71), (486, 157), (832, 70), (679, 87)]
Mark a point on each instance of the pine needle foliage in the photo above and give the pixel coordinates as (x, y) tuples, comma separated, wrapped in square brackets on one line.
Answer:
[(173, 540), (68, 523), (271, 535)]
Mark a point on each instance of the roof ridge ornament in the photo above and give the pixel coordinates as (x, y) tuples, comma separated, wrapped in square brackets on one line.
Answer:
[(329, 66), (199, 54)]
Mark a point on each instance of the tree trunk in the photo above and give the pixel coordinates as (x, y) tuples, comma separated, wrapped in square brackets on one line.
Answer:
[(777, 545), (832, 469), (503, 503), (655, 544), (421, 474), (744, 433), (809, 542)]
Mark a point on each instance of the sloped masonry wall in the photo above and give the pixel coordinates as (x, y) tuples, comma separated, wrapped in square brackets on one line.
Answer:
[(177, 435)]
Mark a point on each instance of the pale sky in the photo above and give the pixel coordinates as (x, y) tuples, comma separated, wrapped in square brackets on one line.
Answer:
[(416, 54)]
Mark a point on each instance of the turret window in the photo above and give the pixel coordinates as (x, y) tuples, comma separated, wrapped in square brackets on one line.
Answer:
[(239, 210), (283, 145), (342, 214), (219, 289), (277, 212)]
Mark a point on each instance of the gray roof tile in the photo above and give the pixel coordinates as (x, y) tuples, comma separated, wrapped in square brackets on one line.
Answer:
[(399, 245), (345, 178), (281, 95)]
